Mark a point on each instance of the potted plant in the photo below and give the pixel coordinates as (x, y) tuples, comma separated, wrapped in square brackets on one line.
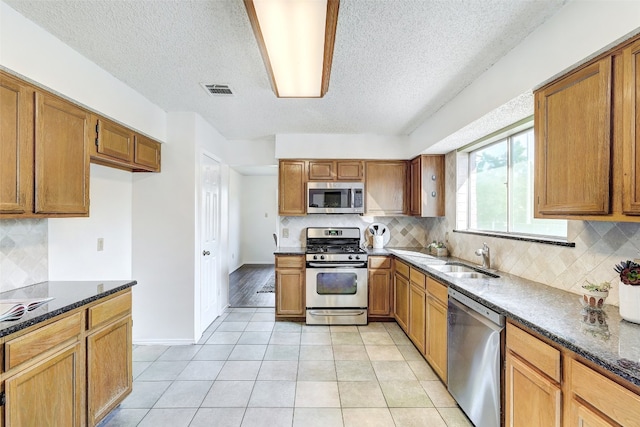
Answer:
[(629, 290), (594, 294), (438, 248)]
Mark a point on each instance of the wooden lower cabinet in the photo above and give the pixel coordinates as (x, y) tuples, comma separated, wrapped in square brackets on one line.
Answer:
[(290, 286), (436, 329), (73, 370), (530, 395), (48, 393), (417, 316), (380, 289), (401, 301), (109, 368)]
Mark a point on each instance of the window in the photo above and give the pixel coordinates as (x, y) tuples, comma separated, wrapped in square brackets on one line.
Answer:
[(501, 189)]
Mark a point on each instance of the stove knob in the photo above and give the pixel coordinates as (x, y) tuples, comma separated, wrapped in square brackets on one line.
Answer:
[(357, 256), (350, 257), (321, 256), (315, 257)]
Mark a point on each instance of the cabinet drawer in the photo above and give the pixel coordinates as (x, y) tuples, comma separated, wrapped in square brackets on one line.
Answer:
[(109, 310), (437, 290), (537, 353), (379, 262), (28, 346), (618, 403), (290, 262), (417, 278), (402, 268)]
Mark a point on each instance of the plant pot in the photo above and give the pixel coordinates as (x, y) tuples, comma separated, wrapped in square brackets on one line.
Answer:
[(629, 302), (594, 299)]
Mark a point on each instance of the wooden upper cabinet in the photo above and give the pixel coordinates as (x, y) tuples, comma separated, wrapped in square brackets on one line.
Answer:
[(349, 170), (386, 187), (426, 186), (16, 146), (332, 170), (114, 140), (573, 142), (61, 157), (631, 126), (118, 146), (146, 154), (291, 187), (322, 170)]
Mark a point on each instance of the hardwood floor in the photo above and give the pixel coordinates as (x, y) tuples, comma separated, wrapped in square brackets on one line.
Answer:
[(246, 281)]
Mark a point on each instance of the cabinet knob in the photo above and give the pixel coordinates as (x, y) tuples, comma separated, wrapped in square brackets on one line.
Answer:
[(205, 253), (433, 194), (433, 178)]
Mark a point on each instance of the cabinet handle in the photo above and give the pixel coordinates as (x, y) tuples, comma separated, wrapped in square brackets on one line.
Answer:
[(205, 253)]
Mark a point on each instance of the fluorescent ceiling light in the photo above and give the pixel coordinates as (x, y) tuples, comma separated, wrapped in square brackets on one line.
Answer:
[(296, 40)]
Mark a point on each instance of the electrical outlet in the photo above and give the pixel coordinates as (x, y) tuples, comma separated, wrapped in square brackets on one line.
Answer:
[(100, 244), (285, 233)]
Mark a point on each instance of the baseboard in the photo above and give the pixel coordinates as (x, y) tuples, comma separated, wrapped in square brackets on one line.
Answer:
[(260, 263), (164, 342)]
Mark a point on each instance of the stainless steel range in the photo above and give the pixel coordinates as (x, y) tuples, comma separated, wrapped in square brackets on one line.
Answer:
[(337, 291)]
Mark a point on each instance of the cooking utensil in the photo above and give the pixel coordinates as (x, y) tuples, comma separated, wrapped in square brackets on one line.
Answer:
[(375, 227)]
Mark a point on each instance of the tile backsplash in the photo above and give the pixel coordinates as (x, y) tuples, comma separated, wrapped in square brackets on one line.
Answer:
[(599, 246), (23, 253), (403, 231)]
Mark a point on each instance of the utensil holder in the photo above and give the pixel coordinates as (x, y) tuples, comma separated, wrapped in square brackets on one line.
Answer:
[(378, 242)]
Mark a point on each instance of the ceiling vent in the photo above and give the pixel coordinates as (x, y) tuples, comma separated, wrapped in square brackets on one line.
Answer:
[(217, 90)]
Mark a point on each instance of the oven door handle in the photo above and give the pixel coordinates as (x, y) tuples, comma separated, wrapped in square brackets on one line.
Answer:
[(323, 265), (336, 312)]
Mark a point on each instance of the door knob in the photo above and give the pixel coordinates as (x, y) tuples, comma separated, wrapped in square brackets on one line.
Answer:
[(205, 253)]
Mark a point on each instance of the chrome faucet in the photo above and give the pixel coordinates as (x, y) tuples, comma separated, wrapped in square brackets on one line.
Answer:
[(486, 256)]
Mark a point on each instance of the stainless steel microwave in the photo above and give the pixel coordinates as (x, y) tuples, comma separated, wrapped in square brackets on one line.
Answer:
[(335, 197)]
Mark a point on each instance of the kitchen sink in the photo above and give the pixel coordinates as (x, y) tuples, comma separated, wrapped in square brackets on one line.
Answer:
[(463, 271)]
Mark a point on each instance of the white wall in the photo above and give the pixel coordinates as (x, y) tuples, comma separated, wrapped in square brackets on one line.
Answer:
[(235, 213), (341, 146), (259, 218), (577, 31), (73, 253)]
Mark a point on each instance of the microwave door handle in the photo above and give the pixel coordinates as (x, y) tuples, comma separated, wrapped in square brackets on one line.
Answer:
[(353, 197)]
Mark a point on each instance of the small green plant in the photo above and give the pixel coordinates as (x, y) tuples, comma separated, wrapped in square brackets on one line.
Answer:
[(597, 287), (629, 272)]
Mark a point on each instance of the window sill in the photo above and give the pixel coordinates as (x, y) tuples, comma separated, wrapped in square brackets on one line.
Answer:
[(521, 237)]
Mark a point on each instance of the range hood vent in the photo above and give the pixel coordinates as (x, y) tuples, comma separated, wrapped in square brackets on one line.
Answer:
[(217, 89)]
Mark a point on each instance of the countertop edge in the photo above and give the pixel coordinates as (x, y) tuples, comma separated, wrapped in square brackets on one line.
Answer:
[(15, 327)]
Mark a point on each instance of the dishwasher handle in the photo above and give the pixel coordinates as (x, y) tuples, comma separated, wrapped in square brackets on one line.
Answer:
[(486, 316)]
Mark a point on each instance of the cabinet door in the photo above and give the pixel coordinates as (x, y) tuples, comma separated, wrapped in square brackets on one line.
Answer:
[(401, 301), (291, 187), (290, 293), (61, 157), (573, 143), (379, 292), (583, 416), (436, 348), (322, 170), (631, 126), (146, 153), (415, 187), (386, 188), (349, 170), (432, 186), (417, 317), (114, 141), (109, 370), (48, 393), (529, 396), (16, 146)]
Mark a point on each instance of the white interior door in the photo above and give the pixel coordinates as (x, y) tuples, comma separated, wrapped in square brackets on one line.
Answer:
[(210, 280)]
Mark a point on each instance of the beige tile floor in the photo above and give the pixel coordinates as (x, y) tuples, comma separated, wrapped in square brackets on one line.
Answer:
[(250, 371)]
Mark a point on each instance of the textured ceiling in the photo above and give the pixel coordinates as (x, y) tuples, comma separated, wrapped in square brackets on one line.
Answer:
[(395, 62)]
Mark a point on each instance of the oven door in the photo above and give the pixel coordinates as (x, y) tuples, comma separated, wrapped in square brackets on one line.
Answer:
[(336, 287)]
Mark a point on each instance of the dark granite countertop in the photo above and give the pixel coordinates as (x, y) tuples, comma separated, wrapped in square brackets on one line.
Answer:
[(67, 295), (610, 341), (291, 250)]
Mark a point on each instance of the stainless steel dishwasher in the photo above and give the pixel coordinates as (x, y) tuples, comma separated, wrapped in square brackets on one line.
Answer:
[(474, 347)]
